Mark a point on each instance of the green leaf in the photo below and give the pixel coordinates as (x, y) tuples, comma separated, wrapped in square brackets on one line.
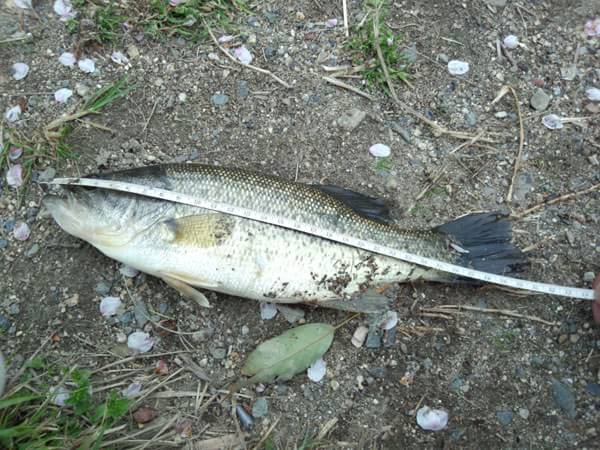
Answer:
[(5, 403), (288, 354)]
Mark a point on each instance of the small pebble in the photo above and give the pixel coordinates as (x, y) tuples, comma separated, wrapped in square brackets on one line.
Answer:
[(32, 250), (3, 243), (524, 413), (260, 407), (359, 336), (373, 339), (564, 398), (102, 288), (219, 99), (593, 389), (504, 417), (5, 323), (540, 100), (218, 352), (335, 385), (245, 330), (501, 114)]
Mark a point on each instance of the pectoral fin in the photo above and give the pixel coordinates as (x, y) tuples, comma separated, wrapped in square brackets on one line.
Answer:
[(202, 230), (186, 290)]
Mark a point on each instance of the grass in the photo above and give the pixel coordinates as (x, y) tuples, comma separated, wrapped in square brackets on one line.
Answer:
[(52, 144), (506, 340), (383, 164), (29, 418), (364, 48)]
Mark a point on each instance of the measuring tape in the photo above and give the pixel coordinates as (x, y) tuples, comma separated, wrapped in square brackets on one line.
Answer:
[(342, 238)]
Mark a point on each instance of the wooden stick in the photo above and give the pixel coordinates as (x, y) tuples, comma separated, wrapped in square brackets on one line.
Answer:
[(539, 206), (249, 66), (503, 312), (341, 84), (521, 143), (384, 67), (345, 9), (264, 437)]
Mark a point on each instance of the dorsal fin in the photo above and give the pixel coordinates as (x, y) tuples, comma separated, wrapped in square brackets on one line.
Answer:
[(370, 207)]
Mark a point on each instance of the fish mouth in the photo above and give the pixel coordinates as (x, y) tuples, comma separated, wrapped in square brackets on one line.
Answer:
[(78, 217)]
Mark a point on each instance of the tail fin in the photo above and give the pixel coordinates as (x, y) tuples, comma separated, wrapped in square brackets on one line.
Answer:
[(484, 241)]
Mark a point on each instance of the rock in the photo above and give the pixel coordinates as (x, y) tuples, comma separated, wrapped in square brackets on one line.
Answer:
[(270, 52), (391, 184), (126, 317), (501, 114), (218, 352), (219, 99), (377, 372), (163, 308), (593, 159), (83, 90), (281, 389), (5, 323), (260, 408), (334, 384), (523, 186), (593, 389), (14, 309), (496, 3), (351, 119), (133, 52), (140, 312), (427, 363), (443, 58), (564, 398), (245, 330), (32, 250), (3, 244), (46, 175), (524, 413), (242, 90), (102, 288), (540, 100), (359, 336), (456, 384), (373, 339), (504, 417), (471, 119), (292, 315), (389, 338)]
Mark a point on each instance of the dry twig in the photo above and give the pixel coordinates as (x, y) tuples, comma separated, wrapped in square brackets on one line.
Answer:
[(341, 84), (456, 309), (562, 198), (345, 8), (249, 66)]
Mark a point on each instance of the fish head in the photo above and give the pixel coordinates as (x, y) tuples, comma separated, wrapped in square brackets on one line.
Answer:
[(104, 218)]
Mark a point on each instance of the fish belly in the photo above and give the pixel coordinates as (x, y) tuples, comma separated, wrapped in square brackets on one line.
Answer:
[(269, 263)]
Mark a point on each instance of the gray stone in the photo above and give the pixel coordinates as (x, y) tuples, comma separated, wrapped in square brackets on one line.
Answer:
[(540, 100), (9, 224), (496, 3), (83, 90), (102, 288), (391, 184), (126, 317), (564, 398), (456, 384), (5, 323), (523, 186), (219, 99), (281, 389), (140, 312), (260, 408), (242, 90), (403, 132), (245, 330), (504, 417), (292, 315), (32, 250), (377, 372), (218, 352), (373, 339), (427, 363), (351, 119), (588, 277), (593, 389), (443, 58), (14, 309), (3, 244), (47, 175), (524, 413), (471, 119), (163, 307)]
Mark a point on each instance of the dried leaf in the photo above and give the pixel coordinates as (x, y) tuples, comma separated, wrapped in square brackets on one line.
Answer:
[(288, 354)]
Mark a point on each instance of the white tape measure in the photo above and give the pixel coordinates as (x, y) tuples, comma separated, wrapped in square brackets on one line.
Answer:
[(147, 191)]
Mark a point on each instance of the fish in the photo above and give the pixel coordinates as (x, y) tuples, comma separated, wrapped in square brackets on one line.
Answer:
[(192, 248)]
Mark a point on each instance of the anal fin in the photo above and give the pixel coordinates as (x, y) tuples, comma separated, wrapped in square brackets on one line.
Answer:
[(186, 290)]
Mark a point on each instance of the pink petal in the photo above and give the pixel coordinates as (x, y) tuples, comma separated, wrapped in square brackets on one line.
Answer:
[(331, 23), (87, 65), (67, 59), (317, 370), (432, 419), (593, 94), (119, 58), (140, 342), (62, 95), (456, 67), (226, 38), (390, 320), (380, 150), (592, 28), (60, 395), (511, 41), (267, 311), (13, 114), (15, 153), (21, 231), (23, 4), (109, 306), (14, 175), (243, 54), (19, 70), (132, 391), (552, 121)]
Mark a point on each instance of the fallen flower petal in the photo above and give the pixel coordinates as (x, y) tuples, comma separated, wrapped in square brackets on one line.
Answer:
[(225, 38), (317, 370), (21, 231), (552, 121), (14, 175), (390, 320), (593, 94), (140, 342), (13, 114), (267, 311), (14, 153), (456, 67), (132, 391), (161, 367), (511, 41), (380, 150), (87, 65), (67, 59), (109, 306), (64, 9), (243, 54), (23, 4), (128, 271), (19, 70), (592, 28), (331, 23), (62, 95), (432, 419), (119, 58), (59, 395), (176, 2)]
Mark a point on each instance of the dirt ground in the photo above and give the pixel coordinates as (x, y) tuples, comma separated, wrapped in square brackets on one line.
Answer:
[(506, 382)]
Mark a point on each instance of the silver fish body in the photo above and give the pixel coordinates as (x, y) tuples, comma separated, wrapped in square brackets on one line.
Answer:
[(189, 246)]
